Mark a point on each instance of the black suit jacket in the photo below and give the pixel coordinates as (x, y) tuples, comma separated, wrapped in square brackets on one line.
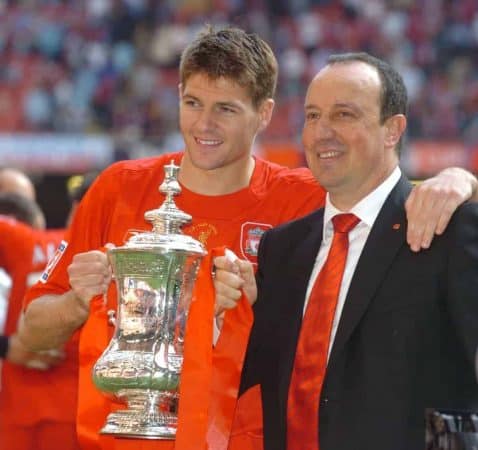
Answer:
[(406, 338)]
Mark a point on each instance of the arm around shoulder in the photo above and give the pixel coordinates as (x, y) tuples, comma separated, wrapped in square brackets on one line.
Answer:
[(431, 204), (51, 320)]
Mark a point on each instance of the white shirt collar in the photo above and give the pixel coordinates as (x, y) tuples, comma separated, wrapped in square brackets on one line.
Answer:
[(368, 208)]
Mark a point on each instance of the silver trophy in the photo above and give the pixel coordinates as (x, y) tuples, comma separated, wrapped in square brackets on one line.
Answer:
[(155, 273)]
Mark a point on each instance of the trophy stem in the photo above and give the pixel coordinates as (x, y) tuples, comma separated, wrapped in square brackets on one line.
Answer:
[(150, 415)]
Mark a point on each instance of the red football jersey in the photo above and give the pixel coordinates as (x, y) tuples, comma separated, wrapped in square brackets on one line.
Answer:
[(29, 396)]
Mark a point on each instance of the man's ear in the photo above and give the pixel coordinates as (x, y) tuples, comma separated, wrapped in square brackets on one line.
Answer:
[(265, 113), (395, 127), (180, 91)]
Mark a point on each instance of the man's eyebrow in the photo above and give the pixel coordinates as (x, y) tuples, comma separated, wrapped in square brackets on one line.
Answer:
[(230, 104), (310, 106), (347, 105), (190, 96)]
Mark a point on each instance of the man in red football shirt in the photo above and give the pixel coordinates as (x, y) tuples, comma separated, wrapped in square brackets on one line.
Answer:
[(22, 209), (13, 181), (228, 79), (30, 415)]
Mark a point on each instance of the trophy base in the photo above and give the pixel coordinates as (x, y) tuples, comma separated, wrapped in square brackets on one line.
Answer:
[(133, 424)]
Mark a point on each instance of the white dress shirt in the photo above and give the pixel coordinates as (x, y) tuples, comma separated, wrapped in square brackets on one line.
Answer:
[(367, 211)]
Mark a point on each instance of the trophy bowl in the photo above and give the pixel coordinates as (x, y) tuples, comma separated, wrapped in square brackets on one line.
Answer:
[(155, 274)]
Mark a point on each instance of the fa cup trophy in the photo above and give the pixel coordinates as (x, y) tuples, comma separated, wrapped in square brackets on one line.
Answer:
[(155, 273)]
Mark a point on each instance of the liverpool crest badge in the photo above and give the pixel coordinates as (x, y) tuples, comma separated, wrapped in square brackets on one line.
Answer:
[(251, 233)]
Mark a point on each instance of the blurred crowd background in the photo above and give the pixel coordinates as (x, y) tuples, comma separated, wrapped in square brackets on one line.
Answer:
[(87, 82)]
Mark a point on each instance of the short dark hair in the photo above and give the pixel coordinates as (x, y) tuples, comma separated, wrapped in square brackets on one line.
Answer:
[(234, 54), (20, 208), (393, 93)]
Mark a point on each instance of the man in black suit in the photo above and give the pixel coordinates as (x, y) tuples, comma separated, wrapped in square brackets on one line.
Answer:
[(404, 329)]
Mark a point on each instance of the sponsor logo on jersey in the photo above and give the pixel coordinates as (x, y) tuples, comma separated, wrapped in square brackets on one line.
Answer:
[(251, 233), (53, 261)]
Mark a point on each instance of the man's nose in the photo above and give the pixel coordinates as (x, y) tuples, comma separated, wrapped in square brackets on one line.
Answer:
[(323, 129), (205, 120)]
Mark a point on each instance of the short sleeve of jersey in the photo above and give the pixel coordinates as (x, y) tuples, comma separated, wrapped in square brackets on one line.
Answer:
[(113, 207), (84, 234)]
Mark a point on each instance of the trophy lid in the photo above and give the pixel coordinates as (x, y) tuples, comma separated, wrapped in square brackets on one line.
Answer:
[(167, 221)]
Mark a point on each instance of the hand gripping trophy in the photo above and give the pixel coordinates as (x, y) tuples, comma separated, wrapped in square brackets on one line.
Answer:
[(155, 273)]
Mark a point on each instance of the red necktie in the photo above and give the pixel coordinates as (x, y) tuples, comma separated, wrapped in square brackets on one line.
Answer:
[(313, 346)]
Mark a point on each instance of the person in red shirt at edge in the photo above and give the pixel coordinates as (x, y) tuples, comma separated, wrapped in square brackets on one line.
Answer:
[(228, 78), (31, 418)]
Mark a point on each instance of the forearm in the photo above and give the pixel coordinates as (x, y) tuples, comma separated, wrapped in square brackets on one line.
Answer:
[(51, 320)]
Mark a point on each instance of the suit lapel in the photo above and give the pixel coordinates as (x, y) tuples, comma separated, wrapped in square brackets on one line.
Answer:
[(388, 234)]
